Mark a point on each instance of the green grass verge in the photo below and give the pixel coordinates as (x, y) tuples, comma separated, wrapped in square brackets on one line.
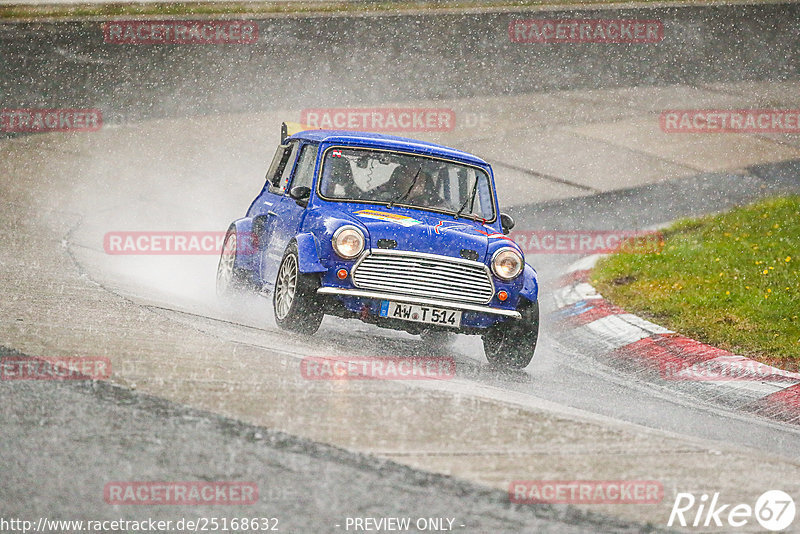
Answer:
[(78, 10), (730, 280)]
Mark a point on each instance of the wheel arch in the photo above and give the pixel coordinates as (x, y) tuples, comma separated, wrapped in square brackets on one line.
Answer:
[(246, 245), (530, 287), (307, 255)]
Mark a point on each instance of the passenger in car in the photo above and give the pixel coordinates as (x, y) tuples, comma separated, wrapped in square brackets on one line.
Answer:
[(337, 179)]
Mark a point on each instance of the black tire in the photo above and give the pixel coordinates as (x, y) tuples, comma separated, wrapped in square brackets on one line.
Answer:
[(511, 343), (232, 281), (294, 299)]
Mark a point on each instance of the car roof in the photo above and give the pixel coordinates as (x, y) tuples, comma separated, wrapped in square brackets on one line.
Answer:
[(376, 140)]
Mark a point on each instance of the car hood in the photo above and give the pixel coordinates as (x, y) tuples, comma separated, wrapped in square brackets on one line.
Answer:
[(419, 231)]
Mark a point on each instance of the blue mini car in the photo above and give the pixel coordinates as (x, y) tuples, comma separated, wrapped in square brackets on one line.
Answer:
[(400, 233)]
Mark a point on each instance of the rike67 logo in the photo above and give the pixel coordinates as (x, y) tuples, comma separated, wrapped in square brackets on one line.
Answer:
[(774, 510)]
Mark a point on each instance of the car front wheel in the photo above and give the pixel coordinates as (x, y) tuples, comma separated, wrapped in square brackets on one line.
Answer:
[(511, 343), (295, 298)]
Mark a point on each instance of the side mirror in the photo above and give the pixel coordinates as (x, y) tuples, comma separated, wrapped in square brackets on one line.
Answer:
[(506, 222), (301, 194)]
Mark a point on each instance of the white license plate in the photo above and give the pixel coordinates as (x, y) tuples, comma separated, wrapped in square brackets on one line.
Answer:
[(420, 314)]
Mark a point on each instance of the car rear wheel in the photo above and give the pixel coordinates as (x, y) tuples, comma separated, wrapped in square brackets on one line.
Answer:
[(232, 281), (511, 343), (295, 298)]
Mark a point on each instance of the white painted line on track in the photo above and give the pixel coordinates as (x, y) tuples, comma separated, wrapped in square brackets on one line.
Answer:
[(644, 324), (614, 332), (570, 295)]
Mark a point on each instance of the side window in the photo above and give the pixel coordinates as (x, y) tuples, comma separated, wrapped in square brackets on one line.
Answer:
[(281, 167), (304, 174), (287, 169)]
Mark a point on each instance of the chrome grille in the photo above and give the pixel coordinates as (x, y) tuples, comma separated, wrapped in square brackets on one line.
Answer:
[(425, 275)]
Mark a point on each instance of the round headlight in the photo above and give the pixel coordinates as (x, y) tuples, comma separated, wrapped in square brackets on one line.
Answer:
[(348, 242), (507, 263)]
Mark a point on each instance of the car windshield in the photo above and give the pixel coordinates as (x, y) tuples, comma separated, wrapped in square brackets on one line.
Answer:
[(404, 179)]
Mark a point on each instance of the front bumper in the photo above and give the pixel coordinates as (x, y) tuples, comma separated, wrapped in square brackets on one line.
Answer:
[(377, 295)]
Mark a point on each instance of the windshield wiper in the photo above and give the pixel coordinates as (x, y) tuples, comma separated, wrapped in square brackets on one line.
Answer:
[(404, 195), (470, 199)]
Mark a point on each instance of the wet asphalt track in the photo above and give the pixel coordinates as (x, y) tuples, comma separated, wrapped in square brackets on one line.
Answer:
[(56, 457)]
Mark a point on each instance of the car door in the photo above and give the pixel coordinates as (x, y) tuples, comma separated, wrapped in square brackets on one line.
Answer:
[(288, 217), (263, 210)]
